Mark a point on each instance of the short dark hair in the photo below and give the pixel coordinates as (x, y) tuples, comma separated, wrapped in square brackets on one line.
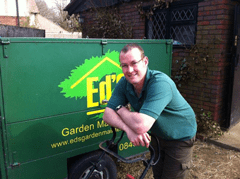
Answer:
[(131, 46)]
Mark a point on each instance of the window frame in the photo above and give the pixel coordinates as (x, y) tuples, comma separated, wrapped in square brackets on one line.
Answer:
[(169, 23)]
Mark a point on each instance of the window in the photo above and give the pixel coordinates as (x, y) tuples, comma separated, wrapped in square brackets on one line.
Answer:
[(178, 22)]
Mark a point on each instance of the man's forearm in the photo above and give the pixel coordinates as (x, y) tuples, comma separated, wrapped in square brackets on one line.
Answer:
[(138, 122), (114, 120)]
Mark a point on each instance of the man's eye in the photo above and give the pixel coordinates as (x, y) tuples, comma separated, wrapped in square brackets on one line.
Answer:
[(124, 66)]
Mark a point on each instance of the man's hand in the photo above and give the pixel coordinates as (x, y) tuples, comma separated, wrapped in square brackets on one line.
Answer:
[(139, 139)]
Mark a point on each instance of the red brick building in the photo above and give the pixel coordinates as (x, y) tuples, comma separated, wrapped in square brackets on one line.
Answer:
[(18, 13), (206, 24)]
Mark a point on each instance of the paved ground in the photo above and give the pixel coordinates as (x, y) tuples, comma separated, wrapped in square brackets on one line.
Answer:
[(230, 139)]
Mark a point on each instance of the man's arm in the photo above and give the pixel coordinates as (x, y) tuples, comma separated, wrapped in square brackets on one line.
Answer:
[(140, 123), (113, 119)]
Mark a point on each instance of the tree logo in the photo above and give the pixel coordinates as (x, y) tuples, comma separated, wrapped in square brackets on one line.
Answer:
[(94, 79)]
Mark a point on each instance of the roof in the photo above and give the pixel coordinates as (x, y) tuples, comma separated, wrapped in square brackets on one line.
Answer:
[(77, 6), (53, 30), (33, 7), (48, 26)]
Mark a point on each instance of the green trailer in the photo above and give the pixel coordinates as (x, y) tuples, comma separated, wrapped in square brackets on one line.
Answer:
[(51, 93)]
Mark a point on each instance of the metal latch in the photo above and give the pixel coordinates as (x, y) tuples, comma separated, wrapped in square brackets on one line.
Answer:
[(5, 42), (168, 43), (104, 43)]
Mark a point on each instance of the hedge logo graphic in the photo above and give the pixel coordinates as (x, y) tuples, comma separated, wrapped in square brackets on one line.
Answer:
[(94, 79)]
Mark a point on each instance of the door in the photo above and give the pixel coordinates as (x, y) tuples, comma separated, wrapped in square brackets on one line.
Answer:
[(235, 104)]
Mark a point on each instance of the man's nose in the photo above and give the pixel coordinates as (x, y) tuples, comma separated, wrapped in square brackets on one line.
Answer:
[(130, 68)]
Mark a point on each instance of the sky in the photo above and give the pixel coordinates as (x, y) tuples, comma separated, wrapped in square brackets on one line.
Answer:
[(52, 3)]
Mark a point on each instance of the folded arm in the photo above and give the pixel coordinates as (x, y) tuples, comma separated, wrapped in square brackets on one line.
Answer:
[(138, 122), (134, 124)]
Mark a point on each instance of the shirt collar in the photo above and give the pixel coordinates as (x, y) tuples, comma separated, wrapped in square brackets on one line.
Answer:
[(130, 87), (146, 79)]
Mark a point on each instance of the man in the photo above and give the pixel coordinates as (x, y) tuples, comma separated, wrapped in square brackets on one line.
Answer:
[(158, 107)]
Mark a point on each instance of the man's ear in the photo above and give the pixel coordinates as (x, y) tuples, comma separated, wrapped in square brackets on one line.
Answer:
[(145, 60)]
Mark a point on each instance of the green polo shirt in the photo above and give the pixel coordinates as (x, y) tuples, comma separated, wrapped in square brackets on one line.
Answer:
[(160, 99)]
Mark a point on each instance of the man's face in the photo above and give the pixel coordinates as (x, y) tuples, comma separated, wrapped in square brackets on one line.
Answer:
[(134, 66)]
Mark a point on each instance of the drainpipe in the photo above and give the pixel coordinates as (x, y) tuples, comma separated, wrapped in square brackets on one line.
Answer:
[(17, 13)]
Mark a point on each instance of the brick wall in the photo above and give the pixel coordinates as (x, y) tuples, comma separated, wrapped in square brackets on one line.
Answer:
[(128, 14), (10, 20), (215, 21), (88, 21)]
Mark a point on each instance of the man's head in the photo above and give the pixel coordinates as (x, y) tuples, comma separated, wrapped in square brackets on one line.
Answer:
[(129, 47), (134, 63)]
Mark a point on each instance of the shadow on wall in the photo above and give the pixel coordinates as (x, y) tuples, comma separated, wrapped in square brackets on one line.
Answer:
[(15, 31)]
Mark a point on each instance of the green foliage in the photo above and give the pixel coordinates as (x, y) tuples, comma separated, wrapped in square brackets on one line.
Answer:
[(108, 24), (45, 11), (70, 23), (58, 16), (158, 4), (194, 65), (26, 23), (207, 126)]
